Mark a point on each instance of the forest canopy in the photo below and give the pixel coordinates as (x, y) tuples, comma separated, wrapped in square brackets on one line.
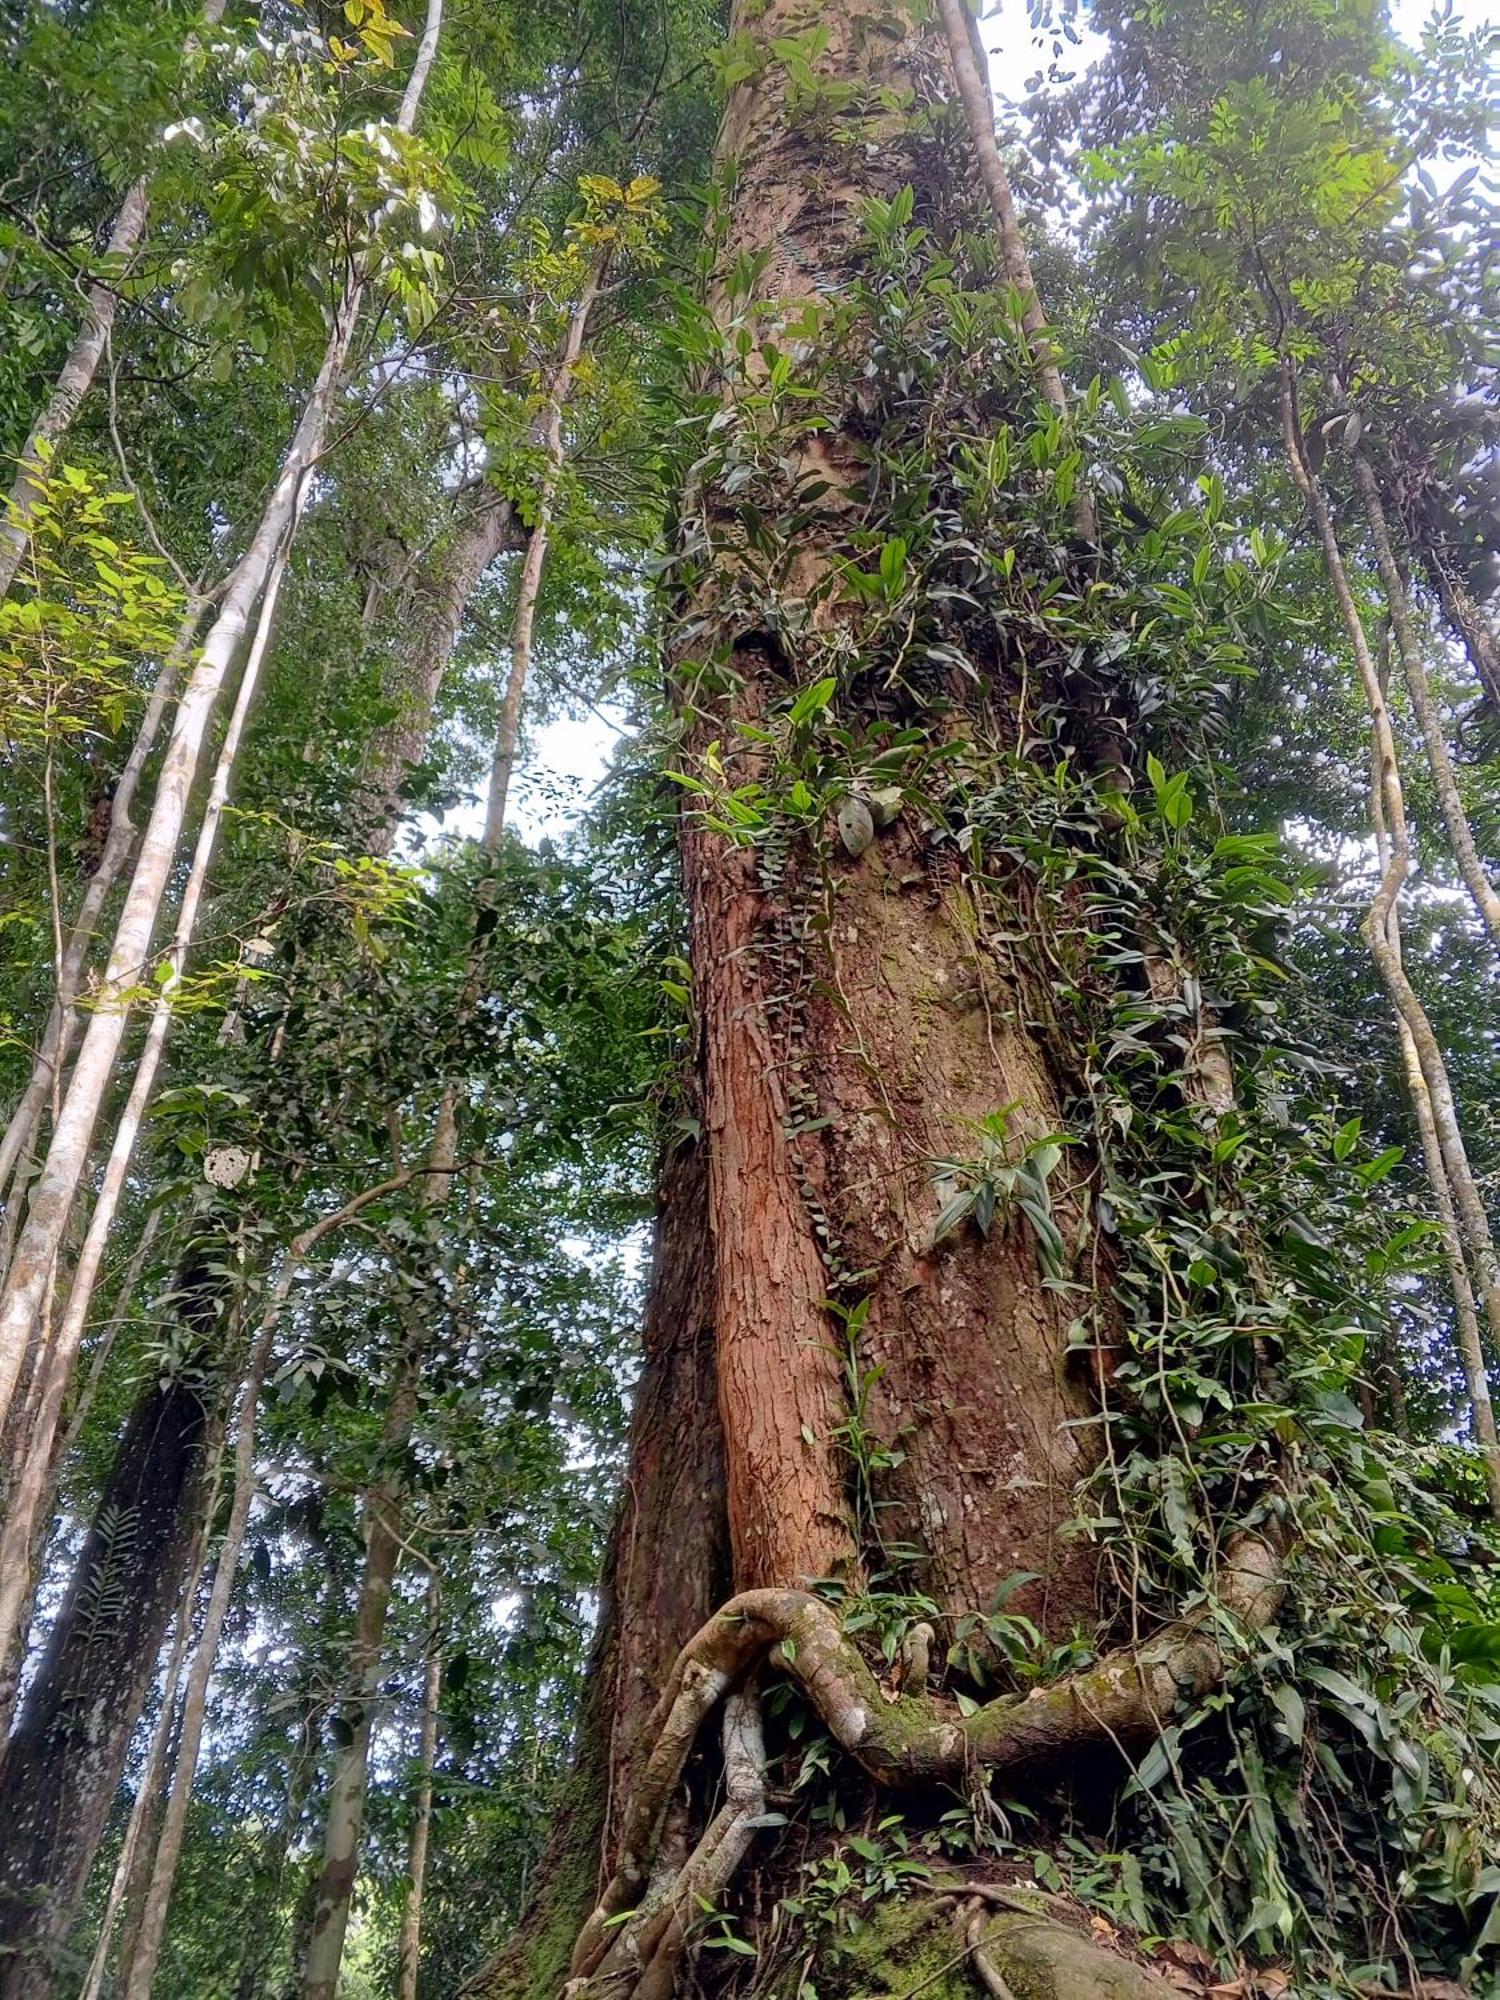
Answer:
[(850, 1355)]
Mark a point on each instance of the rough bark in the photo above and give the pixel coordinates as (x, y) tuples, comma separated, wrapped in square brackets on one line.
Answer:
[(63, 1762), (142, 1829), (898, 1028)]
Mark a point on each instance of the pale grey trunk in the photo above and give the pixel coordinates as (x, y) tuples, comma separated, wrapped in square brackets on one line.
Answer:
[(67, 1156), (487, 532), (30, 1484), (551, 437), (409, 1954), (1419, 689), (76, 376), (130, 955), (195, 1695), (25, 1120), (1382, 922)]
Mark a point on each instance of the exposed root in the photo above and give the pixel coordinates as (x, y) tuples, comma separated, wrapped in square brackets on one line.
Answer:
[(641, 1960), (986, 1971), (1124, 1699)]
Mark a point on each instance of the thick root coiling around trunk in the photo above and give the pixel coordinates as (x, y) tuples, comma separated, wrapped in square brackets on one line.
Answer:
[(1124, 1699)]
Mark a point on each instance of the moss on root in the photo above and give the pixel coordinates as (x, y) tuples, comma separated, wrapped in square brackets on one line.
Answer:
[(919, 1945)]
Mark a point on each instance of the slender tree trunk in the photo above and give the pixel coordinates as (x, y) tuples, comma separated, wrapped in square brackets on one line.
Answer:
[(1467, 619), (63, 1762), (346, 1798), (409, 1950), (195, 1695), (129, 957), (77, 373), (1465, 1312), (25, 1120), (30, 1484), (437, 605), (508, 734), (971, 75), (1473, 1222), (1419, 690), (145, 1811)]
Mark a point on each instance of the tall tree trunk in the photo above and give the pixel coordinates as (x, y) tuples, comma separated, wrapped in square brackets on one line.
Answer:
[(409, 1948), (435, 605), (62, 1171), (31, 1480), (57, 1038), (970, 73), (346, 1798), (1424, 707), (195, 1694), (1455, 1185), (141, 1830), (77, 373), (550, 430), (63, 1762), (1465, 1312), (1467, 619)]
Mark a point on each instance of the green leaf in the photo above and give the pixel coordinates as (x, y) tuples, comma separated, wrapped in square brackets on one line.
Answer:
[(813, 700)]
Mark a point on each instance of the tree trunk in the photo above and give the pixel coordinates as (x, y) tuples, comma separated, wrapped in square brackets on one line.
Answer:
[(1467, 619), (1382, 927), (436, 604), (346, 1797), (502, 763), (31, 1480), (57, 1038), (409, 1950), (853, 1027), (134, 1864), (1424, 707), (77, 373), (62, 1171), (63, 1762)]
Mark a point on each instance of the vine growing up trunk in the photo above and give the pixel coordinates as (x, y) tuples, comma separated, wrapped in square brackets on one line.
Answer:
[(967, 1207)]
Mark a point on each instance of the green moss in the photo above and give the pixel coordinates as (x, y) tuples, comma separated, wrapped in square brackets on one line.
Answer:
[(535, 1962), (903, 1945)]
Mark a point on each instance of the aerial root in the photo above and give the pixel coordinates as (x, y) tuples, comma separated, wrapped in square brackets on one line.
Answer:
[(1124, 1699)]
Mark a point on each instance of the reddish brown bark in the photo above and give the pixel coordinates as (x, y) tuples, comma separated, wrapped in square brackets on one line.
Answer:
[(976, 1389), (659, 1587), (780, 1396), (849, 1035)]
